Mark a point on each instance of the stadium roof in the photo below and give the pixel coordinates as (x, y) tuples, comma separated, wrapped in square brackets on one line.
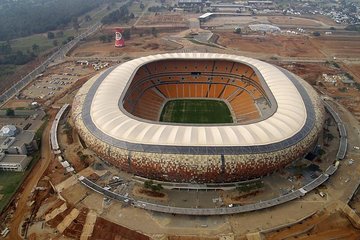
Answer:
[(105, 117)]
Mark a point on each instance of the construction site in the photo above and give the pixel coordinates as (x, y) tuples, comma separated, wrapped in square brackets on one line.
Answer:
[(52, 203)]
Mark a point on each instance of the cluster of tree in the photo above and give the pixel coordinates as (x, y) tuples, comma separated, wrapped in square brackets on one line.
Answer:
[(354, 27), (251, 186), (17, 58), (23, 18), (5, 48), (156, 8), (10, 112), (106, 38), (149, 184), (119, 15)]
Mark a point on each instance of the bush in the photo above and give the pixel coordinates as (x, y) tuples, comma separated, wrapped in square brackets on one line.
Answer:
[(149, 184), (50, 35), (10, 112), (248, 187)]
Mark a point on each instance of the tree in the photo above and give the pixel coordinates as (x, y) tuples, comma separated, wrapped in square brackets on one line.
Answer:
[(55, 43), (59, 34), (5, 48), (237, 30), (154, 32), (35, 47), (41, 16), (102, 38), (10, 112), (50, 35), (149, 184), (109, 38), (142, 6), (127, 34), (75, 23), (88, 18)]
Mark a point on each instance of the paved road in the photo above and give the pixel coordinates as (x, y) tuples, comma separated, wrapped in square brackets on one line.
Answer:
[(30, 183)]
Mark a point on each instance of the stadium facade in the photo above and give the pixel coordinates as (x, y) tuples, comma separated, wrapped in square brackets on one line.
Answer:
[(277, 117)]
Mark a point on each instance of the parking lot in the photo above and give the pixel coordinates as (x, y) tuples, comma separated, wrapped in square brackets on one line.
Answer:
[(57, 81)]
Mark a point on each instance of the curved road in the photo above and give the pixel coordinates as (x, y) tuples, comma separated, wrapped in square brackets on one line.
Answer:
[(30, 183)]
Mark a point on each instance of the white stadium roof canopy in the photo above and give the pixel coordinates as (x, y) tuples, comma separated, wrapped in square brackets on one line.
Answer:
[(111, 119)]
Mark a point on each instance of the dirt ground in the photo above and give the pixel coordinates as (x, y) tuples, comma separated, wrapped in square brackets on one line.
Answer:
[(337, 46), (347, 95), (75, 228), (294, 21), (106, 230), (355, 203), (322, 226), (191, 238), (280, 45), (281, 21), (14, 103), (163, 19), (354, 69), (147, 43)]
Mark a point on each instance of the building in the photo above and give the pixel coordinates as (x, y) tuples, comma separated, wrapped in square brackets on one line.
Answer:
[(23, 144), (190, 5), (8, 131), (15, 150), (276, 117), (15, 163)]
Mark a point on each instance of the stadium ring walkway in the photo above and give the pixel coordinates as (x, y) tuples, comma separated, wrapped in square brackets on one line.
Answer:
[(53, 132), (235, 208)]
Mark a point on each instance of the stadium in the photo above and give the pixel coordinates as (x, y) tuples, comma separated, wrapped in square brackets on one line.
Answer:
[(198, 117)]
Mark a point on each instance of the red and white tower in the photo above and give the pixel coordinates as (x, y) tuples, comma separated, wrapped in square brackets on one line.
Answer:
[(119, 40)]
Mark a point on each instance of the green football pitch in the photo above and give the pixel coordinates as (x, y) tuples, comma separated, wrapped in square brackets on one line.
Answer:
[(196, 111)]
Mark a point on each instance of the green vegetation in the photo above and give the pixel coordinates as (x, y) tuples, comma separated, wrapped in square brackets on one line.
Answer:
[(237, 30), (10, 112), (322, 152), (343, 89), (248, 187), (39, 132), (349, 76), (24, 18), (357, 85), (196, 111), (156, 9), (9, 183), (83, 157), (119, 15), (149, 184), (355, 27)]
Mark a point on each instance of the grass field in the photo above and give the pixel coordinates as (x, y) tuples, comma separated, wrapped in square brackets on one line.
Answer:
[(196, 111), (9, 182)]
